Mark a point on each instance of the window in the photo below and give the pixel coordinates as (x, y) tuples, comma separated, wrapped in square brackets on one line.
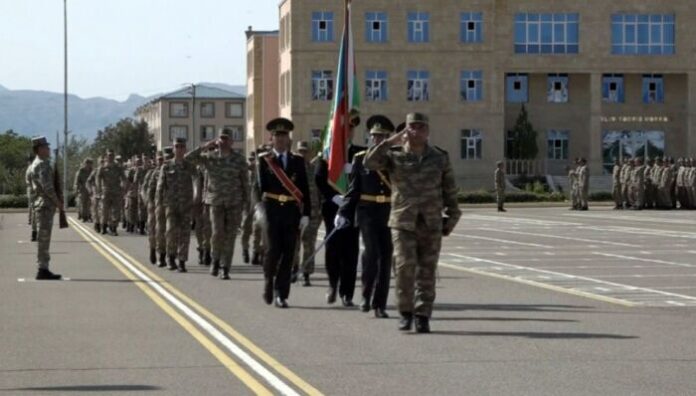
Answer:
[(178, 131), (234, 110), (516, 88), (237, 132), (316, 135), (471, 27), (472, 86), (629, 144), (376, 27), (653, 88), (322, 85), (642, 34), (375, 86), (557, 145), (322, 26), (471, 144), (207, 132), (546, 34), (418, 82), (178, 109), (208, 110), (418, 27), (613, 88), (557, 88)]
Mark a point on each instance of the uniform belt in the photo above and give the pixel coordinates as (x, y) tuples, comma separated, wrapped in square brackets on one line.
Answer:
[(375, 198), (279, 197)]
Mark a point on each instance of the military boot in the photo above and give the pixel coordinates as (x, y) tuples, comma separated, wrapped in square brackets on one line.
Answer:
[(406, 321), (172, 263), (33, 236), (113, 231), (208, 257), (182, 266), (201, 256), (245, 255), (306, 282), (104, 229), (97, 227), (142, 228), (422, 324), (225, 273), (215, 269), (45, 274), (153, 257), (256, 259), (365, 305), (162, 260)]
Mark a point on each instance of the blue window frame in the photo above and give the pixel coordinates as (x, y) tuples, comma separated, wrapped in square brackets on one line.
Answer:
[(471, 86), (322, 85), (557, 144), (653, 88), (376, 85), (642, 34), (376, 27), (613, 88), (516, 88), (418, 27), (471, 30), (418, 86), (546, 34), (322, 26), (557, 91)]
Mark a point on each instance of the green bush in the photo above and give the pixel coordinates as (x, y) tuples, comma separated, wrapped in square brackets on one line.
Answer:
[(13, 201), (479, 197)]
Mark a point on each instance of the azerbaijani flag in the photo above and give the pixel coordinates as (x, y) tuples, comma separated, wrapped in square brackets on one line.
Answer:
[(346, 97)]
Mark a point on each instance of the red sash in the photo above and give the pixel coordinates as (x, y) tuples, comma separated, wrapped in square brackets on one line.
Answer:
[(285, 181)]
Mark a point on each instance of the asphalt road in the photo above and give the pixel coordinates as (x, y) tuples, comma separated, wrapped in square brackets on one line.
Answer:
[(530, 302)]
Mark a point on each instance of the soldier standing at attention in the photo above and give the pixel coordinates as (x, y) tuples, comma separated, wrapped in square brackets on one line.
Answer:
[(368, 203), (45, 203), (81, 190), (30, 198), (109, 179), (583, 183), (573, 185), (616, 185), (423, 188), (499, 177), (638, 184), (175, 189), (248, 224), (285, 203), (308, 238), (227, 194), (649, 188)]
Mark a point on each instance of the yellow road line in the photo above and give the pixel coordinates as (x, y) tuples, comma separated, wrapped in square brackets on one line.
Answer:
[(226, 361), (241, 339), (542, 285)]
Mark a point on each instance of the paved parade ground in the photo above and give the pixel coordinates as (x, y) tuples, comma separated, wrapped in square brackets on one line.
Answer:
[(529, 302)]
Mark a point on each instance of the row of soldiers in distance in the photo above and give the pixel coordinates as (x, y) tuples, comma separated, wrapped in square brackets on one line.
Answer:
[(662, 183)]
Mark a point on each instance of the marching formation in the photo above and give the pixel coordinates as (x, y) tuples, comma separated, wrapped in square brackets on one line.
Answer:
[(401, 200)]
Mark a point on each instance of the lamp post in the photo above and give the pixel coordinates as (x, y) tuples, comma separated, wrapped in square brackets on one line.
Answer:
[(65, 100)]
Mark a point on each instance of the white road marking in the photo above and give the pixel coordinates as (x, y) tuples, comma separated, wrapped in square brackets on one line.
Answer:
[(647, 260), (519, 221), (561, 237), (641, 231), (676, 303), (631, 218), (503, 241)]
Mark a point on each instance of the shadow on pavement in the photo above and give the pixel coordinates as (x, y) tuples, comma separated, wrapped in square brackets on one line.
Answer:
[(87, 388), (511, 307), (498, 319), (539, 335)]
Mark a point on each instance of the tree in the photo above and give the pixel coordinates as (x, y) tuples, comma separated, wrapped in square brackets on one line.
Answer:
[(522, 138), (14, 152), (78, 149), (127, 138)]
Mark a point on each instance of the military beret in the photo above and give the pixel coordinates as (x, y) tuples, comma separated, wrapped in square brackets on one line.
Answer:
[(380, 125), (417, 118), (303, 145), (280, 126), (39, 141)]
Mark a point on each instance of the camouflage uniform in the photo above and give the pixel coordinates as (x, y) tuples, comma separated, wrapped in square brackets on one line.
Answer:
[(142, 204), (109, 178), (616, 186), (249, 228), (573, 185), (131, 196), (422, 187), (149, 190), (625, 184), (30, 200), (638, 186), (308, 238), (95, 196), (44, 204), (201, 215), (499, 178), (175, 193), (583, 185), (82, 191)]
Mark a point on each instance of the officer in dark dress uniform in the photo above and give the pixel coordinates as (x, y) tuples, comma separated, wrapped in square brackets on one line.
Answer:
[(284, 201), (341, 254), (367, 204)]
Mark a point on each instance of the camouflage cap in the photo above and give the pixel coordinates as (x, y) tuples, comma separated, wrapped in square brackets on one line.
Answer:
[(280, 126), (180, 141), (39, 141), (417, 118), (226, 133), (380, 125)]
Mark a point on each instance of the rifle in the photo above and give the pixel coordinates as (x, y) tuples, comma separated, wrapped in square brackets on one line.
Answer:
[(62, 218)]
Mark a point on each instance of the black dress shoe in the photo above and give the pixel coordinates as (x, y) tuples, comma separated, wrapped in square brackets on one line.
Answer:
[(347, 302), (33, 236), (256, 259), (153, 256), (381, 313), (306, 282), (225, 274), (422, 324), (406, 322), (365, 305), (331, 296), (45, 274), (245, 256), (162, 260), (201, 256), (280, 303), (215, 269), (208, 257), (182, 266), (268, 292)]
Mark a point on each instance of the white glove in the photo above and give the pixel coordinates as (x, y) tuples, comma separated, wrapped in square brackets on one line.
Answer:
[(337, 199), (304, 222), (341, 222), (348, 168)]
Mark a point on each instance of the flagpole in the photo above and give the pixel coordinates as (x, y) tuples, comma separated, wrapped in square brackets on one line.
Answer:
[(346, 62)]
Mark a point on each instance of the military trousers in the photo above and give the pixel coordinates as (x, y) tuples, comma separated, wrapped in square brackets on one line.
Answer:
[(132, 214), (96, 209), (638, 196), (251, 230), (225, 221), (152, 226), (584, 196), (178, 232), (307, 244), (282, 231), (376, 258), (111, 209), (44, 220), (32, 215), (142, 210), (500, 198), (616, 194), (84, 204), (341, 254), (415, 257), (161, 229), (201, 215)]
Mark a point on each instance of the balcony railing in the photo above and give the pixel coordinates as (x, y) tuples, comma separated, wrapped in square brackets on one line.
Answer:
[(535, 167)]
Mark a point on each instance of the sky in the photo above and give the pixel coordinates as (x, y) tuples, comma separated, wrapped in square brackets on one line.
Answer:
[(120, 47)]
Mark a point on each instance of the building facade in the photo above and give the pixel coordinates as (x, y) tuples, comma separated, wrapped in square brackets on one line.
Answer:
[(599, 79), (262, 84), (196, 113)]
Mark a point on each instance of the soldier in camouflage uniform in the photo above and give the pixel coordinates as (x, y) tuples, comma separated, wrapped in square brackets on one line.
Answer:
[(308, 236), (175, 192), (132, 195), (625, 182), (142, 204), (45, 203), (649, 187), (248, 229), (81, 190), (109, 179), (228, 196), (201, 213), (30, 199), (638, 184), (573, 185), (423, 189), (616, 185), (95, 194), (148, 190), (499, 180), (691, 184)]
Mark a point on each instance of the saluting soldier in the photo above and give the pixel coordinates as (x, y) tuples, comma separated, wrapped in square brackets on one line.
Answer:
[(285, 204), (109, 179), (45, 203), (368, 204), (227, 194), (30, 198), (423, 189), (341, 253), (499, 178)]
